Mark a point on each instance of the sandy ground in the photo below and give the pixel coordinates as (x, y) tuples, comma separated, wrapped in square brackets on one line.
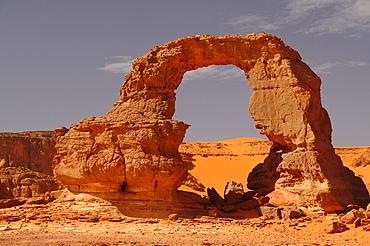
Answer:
[(202, 231), (212, 171)]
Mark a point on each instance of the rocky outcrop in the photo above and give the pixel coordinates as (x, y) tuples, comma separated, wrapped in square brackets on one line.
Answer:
[(20, 182), (134, 148), (34, 150), (26, 167)]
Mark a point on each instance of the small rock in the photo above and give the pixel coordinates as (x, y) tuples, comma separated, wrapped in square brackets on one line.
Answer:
[(335, 227), (173, 216)]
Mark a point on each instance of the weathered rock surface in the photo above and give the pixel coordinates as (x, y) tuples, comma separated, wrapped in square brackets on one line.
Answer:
[(135, 146), (21, 182), (26, 167), (335, 227), (34, 150)]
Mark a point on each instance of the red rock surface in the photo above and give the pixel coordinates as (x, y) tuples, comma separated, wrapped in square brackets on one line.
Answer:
[(134, 148), (34, 150), (26, 167)]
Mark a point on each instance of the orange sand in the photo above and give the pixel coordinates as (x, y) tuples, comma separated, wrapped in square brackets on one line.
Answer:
[(216, 171)]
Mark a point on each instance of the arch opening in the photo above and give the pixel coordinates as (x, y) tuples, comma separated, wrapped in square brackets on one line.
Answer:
[(214, 101)]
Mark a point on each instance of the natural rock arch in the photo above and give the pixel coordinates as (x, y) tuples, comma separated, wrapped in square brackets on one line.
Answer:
[(136, 143)]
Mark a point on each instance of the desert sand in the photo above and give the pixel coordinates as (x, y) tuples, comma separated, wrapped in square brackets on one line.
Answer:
[(217, 170)]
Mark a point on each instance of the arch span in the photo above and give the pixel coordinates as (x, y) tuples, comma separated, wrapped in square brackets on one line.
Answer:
[(136, 143)]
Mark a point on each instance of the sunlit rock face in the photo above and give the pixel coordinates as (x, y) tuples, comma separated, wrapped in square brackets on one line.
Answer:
[(134, 148)]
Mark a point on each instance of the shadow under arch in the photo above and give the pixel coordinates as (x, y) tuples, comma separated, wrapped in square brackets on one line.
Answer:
[(141, 139)]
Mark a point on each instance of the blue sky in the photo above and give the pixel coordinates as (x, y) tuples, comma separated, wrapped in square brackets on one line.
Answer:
[(61, 61)]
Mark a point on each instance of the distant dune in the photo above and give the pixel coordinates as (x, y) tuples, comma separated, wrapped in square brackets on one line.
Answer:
[(216, 163)]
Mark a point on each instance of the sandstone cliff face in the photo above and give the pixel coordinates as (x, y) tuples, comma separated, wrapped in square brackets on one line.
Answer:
[(134, 148), (26, 164), (34, 150)]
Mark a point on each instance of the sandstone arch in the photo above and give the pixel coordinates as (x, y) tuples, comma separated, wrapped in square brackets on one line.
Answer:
[(136, 143)]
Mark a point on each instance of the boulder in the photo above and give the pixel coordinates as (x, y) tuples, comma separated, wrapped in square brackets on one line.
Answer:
[(291, 213), (233, 193), (234, 187), (215, 198), (335, 227), (269, 212), (351, 216)]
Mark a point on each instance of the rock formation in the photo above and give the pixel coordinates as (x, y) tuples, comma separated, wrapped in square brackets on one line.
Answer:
[(25, 184), (26, 167), (34, 150), (133, 150)]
